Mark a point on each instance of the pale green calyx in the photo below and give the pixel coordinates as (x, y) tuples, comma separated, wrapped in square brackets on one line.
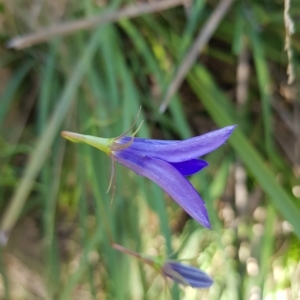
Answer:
[(102, 144)]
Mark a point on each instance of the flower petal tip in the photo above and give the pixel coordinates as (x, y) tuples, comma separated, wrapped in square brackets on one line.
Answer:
[(228, 129), (208, 226), (203, 218), (205, 222), (232, 128)]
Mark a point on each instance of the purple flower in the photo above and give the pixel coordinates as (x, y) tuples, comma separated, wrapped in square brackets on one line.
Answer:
[(186, 275), (164, 162), (182, 274)]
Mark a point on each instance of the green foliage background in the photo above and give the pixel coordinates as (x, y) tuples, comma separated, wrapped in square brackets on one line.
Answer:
[(94, 82)]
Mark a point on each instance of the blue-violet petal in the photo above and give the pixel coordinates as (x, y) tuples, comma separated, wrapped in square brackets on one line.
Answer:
[(190, 167), (178, 151), (191, 275), (169, 179)]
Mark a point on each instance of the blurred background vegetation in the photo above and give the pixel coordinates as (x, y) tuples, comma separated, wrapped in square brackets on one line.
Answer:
[(54, 205)]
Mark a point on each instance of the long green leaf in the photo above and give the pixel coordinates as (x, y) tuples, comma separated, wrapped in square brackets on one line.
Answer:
[(202, 84), (39, 155), (11, 88)]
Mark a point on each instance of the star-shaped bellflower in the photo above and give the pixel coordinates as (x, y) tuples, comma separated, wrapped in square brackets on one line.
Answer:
[(164, 162)]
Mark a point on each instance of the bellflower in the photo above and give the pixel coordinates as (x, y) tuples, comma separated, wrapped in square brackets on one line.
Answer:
[(186, 275), (164, 162), (180, 273)]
